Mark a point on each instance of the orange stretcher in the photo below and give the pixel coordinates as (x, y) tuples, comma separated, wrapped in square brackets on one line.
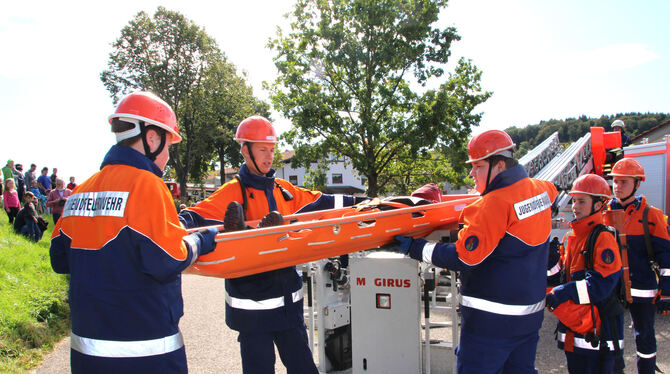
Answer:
[(326, 233)]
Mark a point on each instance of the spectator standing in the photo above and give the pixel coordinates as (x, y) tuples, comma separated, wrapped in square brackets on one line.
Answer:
[(71, 185), (57, 198), (18, 178), (8, 170), (30, 176), (27, 221), (54, 176), (10, 198), (44, 182)]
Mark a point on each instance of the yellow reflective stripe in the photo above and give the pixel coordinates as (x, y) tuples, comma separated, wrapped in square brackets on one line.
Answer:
[(583, 344), (267, 304), (642, 293), (498, 308), (126, 349)]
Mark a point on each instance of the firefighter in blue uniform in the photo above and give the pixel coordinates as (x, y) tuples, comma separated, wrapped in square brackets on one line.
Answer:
[(649, 264), (120, 240), (590, 330), (501, 254), (266, 309)]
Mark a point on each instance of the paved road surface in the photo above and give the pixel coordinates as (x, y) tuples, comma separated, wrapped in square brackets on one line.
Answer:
[(212, 348)]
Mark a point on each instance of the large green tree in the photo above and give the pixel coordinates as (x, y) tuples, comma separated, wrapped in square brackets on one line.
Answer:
[(353, 77), (173, 57)]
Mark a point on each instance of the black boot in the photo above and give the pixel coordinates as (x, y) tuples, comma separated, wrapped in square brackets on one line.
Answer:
[(234, 218), (273, 218)]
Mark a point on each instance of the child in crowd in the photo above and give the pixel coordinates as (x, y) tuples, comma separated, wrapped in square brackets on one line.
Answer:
[(42, 200), (11, 199)]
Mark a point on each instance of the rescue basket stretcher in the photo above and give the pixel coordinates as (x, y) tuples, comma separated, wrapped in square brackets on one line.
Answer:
[(327, 233)]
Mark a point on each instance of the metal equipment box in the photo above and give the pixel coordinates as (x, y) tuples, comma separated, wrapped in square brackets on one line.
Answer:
[(385, 314)]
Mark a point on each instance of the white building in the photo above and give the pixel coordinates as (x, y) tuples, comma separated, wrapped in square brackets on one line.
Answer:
[(340, 176)]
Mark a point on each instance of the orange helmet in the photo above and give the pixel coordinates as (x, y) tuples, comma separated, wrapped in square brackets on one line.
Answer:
[(148, 108), (489, 143), (255, 129), (628, 167), (591, 184)]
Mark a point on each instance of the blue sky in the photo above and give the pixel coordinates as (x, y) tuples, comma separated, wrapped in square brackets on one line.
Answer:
[(543, 59)]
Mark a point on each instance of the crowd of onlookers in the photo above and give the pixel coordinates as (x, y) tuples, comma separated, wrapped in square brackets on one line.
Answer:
[(26, 196)]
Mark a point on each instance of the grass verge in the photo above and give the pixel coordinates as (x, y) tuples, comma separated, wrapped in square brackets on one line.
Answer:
[(34, 313)]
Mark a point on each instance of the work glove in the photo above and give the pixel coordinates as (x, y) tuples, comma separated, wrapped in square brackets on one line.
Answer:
[(205, 240), (556, 297), (402, 244)]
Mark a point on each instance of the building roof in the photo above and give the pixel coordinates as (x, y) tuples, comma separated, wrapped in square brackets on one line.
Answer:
[(663, 127)]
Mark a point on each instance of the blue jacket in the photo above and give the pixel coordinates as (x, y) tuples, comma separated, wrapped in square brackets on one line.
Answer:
[(273, 300), (502, 254), (120, 240)]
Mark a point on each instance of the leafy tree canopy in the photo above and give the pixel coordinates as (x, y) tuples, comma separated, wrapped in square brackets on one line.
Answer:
[(176, 59), (352, 76)]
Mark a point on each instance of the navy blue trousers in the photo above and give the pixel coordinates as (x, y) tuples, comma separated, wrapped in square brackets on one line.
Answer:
[(643, 315), (589, 364), (480, 355), (169, 363), (258, 353)]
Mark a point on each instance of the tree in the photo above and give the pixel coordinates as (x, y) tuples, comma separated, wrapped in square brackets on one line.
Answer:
[(176, 59), (350, 72)]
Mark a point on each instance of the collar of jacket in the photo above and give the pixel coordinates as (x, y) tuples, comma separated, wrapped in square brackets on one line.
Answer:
[(119, 155), (506, 178), (637, 203), (259, 182), (585, 225)]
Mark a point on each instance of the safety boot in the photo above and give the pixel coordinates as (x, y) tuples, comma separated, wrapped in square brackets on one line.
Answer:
[(234, 218), (273, 218)]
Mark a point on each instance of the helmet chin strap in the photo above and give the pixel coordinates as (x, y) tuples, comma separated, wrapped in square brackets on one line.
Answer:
[(147, 150), (253, 159), (632, 193)]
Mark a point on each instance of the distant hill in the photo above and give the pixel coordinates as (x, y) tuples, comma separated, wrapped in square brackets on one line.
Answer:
[(572, 129)]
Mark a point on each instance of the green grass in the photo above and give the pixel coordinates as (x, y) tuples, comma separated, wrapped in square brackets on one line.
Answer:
[(34, 313)]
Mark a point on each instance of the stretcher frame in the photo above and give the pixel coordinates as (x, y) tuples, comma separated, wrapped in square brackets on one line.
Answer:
[(321, 234)]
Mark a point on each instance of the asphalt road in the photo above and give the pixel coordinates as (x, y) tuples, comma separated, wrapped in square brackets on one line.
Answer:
[(212, 348)]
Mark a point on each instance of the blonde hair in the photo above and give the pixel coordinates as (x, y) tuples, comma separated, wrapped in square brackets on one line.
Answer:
[(7, 181)]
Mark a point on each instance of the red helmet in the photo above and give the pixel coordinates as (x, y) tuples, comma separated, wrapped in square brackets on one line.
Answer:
[(255, 129), (628, 167), (149, 108), (489, 143), (591, 184)]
